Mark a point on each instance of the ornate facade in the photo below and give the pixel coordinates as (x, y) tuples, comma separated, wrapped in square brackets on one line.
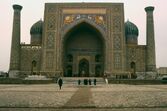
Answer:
[(83, 40)]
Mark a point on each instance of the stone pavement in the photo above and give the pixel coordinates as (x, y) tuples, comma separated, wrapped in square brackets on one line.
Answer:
[(82, 98), (113, 97), (84, 109)]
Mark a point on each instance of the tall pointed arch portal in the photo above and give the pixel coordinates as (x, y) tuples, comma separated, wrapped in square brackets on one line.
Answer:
[(83, 42)]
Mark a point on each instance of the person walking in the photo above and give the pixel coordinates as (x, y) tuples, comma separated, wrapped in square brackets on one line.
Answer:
[(105, 78), (60, 82)]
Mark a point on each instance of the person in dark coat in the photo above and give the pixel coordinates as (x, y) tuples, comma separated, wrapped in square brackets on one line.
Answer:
[(79, 82), (95, 81), (60, 82), (90, 81)]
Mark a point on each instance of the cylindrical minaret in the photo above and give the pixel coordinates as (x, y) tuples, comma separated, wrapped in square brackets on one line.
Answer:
[(150, 46), (15, 46)]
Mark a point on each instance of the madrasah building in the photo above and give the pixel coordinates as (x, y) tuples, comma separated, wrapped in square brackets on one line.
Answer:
[(83, 40)]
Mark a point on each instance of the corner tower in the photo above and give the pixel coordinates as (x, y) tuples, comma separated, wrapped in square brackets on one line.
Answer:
[(15, 47), (150, 45)]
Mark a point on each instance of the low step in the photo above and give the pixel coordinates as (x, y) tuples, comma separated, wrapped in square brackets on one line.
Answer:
[(74, 80)]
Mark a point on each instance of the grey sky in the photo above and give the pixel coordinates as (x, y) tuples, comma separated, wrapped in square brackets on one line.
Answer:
[(33, 10)]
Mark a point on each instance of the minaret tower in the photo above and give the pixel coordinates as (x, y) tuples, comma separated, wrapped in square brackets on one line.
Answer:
[(150, 45), (15, 47)]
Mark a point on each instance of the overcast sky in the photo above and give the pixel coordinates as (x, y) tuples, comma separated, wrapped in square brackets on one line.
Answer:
[(33, 10)]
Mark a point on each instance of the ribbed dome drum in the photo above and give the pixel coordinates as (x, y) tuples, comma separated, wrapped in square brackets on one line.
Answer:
[(131, 32), (36, 33)]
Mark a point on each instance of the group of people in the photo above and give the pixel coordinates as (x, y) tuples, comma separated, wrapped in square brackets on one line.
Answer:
[(87, 81)]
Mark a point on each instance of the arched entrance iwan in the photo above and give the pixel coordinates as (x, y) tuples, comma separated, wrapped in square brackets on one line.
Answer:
[(81, 45)]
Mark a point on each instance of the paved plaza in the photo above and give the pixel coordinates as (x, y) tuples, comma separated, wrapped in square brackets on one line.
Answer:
[(112, 97)]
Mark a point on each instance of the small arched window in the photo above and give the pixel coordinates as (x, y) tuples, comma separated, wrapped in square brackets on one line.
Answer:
[(34, 63), (69, 71), (97, 58), (70, 58), (132, 65)]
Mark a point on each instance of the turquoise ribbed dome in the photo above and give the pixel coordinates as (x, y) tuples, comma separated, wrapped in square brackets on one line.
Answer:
[(131, 29), (36, 28)]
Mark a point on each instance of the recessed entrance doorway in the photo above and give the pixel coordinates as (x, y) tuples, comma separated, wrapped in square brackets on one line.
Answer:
[(83, 68), (83, 40)]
